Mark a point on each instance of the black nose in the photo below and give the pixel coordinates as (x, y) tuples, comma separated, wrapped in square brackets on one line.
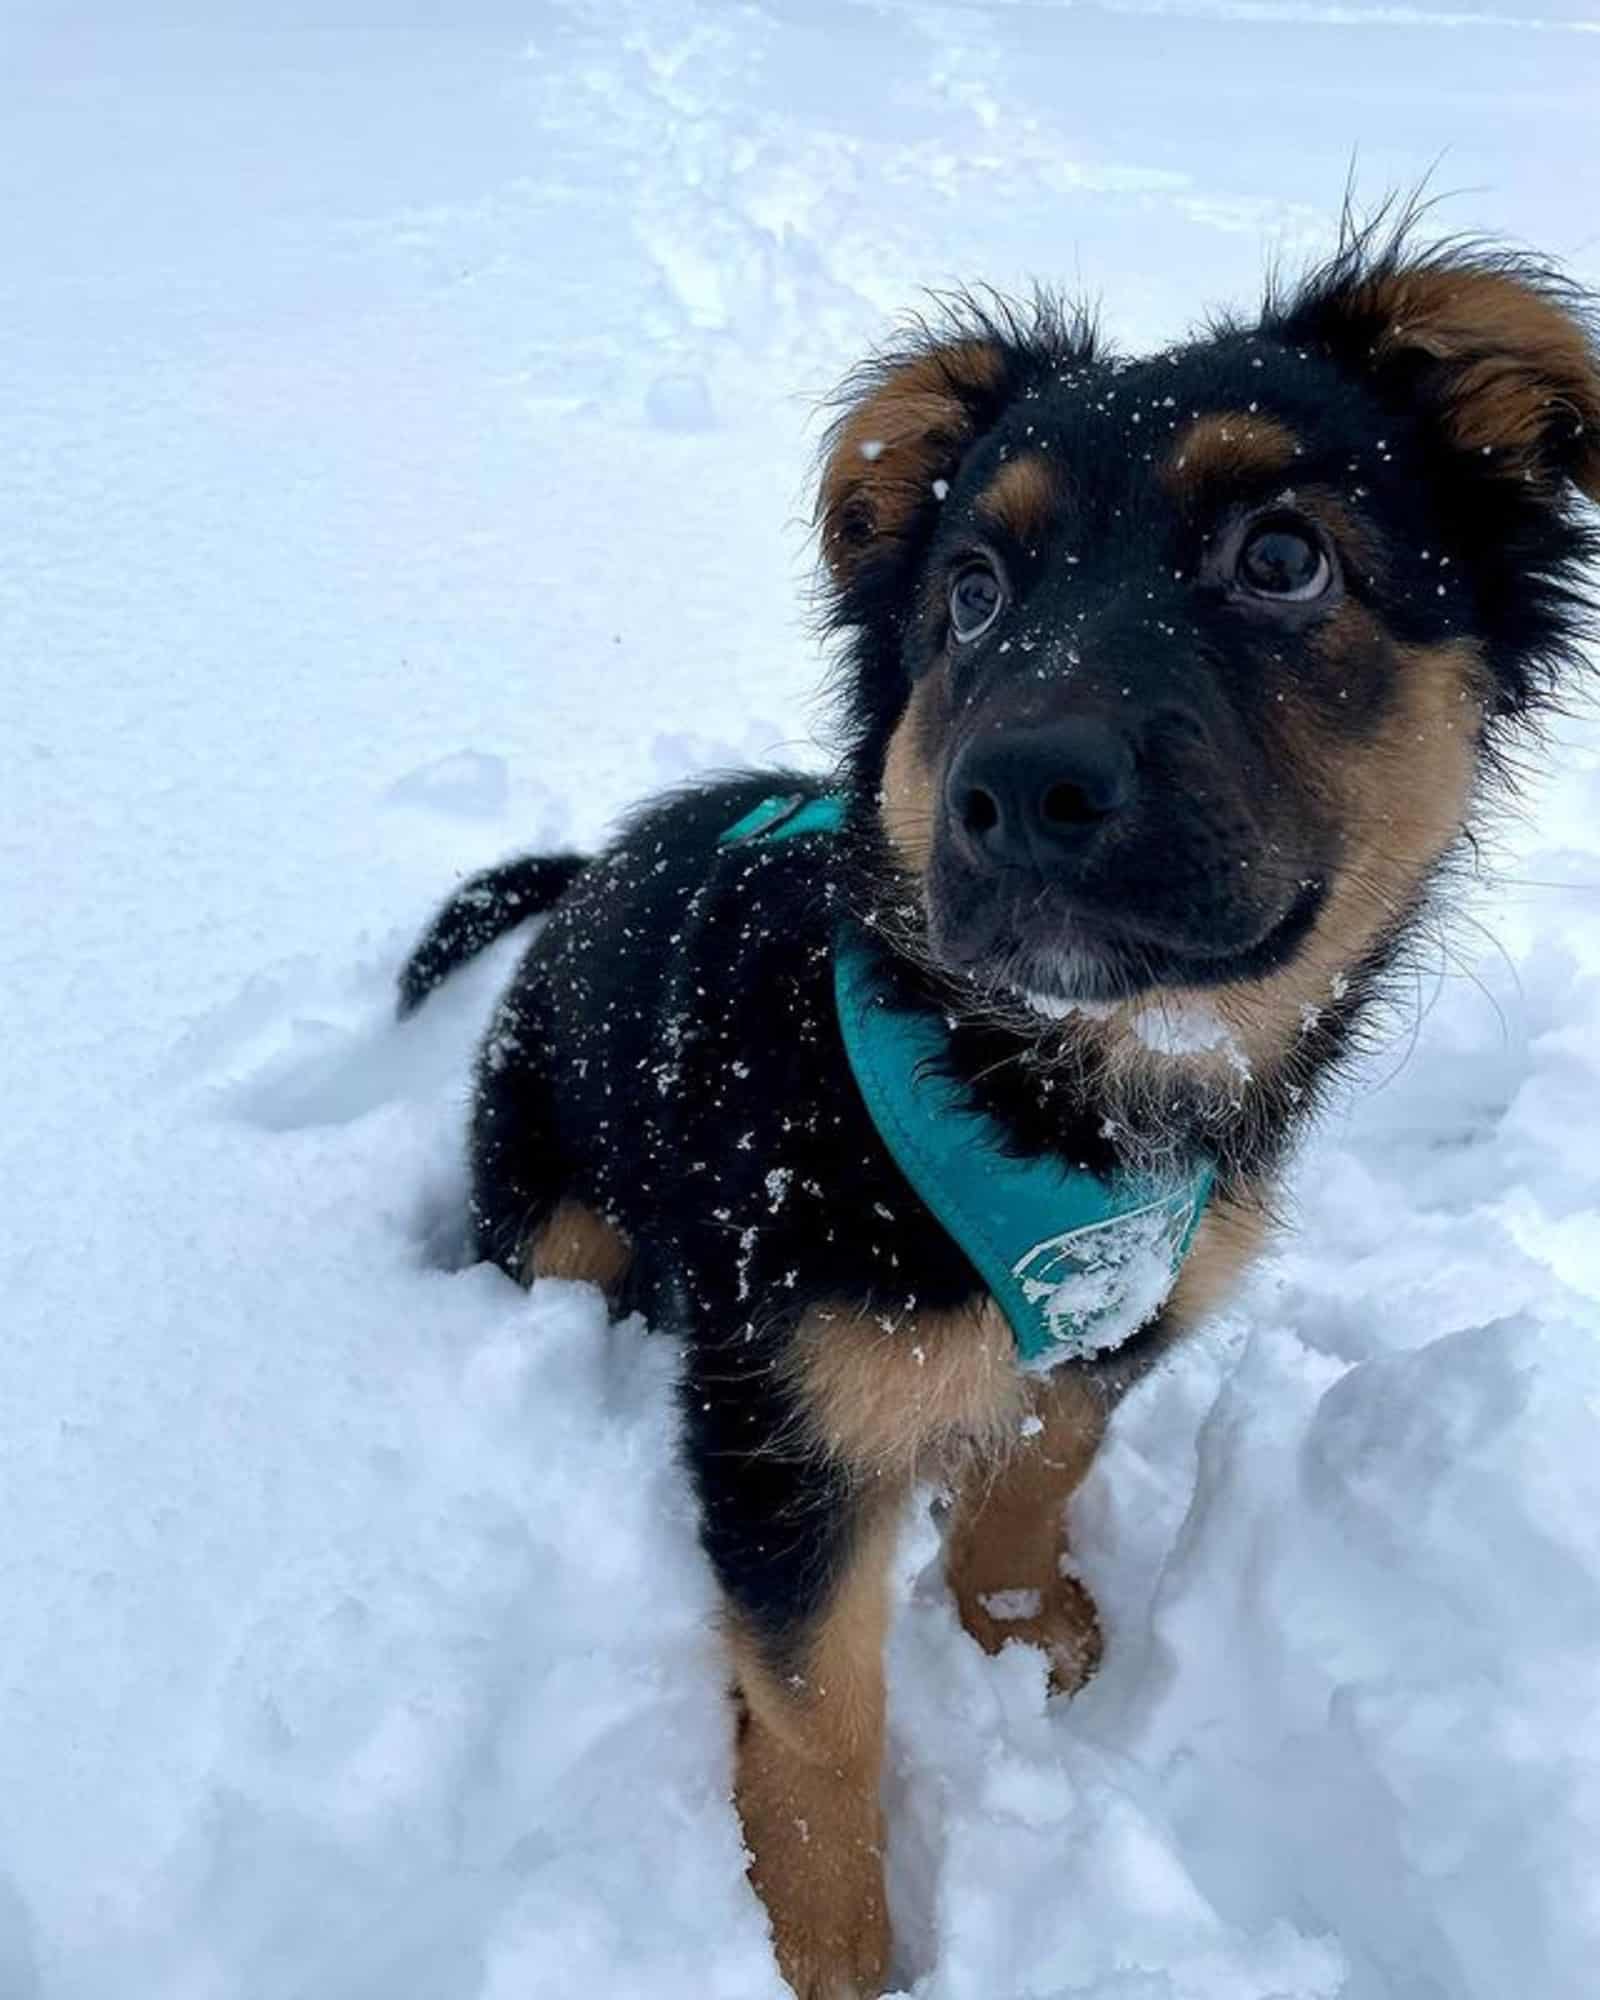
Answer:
[(1034, 797)]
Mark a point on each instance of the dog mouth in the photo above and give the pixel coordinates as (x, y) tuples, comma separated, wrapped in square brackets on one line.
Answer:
[(1086, 965), (1088, 976)]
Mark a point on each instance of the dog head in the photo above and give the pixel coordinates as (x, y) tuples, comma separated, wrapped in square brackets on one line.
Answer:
[(1173, 680)]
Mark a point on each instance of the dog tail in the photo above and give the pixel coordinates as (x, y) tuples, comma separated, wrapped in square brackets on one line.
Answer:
[(484, 908)]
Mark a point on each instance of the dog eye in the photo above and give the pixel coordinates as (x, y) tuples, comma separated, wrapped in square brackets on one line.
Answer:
[(1283, 560), (975, 600)]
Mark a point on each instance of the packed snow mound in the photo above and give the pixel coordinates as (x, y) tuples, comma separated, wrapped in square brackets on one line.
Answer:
[(405, 438)]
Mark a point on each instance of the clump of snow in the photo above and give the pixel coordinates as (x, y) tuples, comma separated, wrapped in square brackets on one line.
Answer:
[(1187, 1028), (1179, 1028), (680, 402), (469, 784), (1010, 1605), (1096, 1286), (1058, 1007)]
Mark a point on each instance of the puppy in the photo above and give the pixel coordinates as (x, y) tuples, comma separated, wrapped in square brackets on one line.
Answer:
[(1170, 688)]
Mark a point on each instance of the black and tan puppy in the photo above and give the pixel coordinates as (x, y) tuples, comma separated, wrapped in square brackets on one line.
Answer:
[(1171, 687)]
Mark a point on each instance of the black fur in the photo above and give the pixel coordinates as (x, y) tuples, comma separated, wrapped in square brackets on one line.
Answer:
[(483, 909), (682, 996)]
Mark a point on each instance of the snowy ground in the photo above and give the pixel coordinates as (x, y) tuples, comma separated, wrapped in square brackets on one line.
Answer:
[(405, 433)]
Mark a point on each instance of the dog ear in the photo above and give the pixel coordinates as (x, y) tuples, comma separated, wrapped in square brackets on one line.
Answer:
[(909, 417), (907, 421), (1499, 349)]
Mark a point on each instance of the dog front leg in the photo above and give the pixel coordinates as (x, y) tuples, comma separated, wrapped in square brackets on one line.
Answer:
[(809, 1758), (1007, 1537), (804, 1448)]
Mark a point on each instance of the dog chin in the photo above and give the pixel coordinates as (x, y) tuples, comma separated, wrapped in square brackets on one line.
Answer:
[(1078, 970), (1054, 987), (1060, 1006), (1061, 1001), (1074, 982)]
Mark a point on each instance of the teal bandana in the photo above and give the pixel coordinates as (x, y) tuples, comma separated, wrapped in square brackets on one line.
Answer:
[(1076, 1263)]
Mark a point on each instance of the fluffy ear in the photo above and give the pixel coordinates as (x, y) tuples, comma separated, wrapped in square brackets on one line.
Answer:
[(909, 417), (907, 421), (1501, 349)]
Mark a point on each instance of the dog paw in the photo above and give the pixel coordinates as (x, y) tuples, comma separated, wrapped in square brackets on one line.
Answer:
[(1062, 1622)]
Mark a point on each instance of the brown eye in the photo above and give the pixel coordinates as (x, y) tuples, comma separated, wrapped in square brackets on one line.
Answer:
[(975, 600), (1284, 560)]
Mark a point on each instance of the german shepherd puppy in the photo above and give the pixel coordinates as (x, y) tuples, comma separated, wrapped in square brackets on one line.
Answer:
[(1171, 687)]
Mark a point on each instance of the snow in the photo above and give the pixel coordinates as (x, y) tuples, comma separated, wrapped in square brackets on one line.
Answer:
[(1057, 1007), (407, 422), (1008, 1605), (1186, 1029), (1096, 1285)]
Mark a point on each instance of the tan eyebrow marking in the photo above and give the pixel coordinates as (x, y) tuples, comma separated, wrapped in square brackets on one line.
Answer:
[(1231, 444), (1023, 498)]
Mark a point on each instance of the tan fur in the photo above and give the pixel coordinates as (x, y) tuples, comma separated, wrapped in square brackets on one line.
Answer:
[(1523, 374), (1404, 800), (1007, 1534), (1231, 445), (885, 1400), (1023, 498), (808, 1763), (908, 797), (884, 457), (1226, 1242), (575, 1242), (888, 1395)]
